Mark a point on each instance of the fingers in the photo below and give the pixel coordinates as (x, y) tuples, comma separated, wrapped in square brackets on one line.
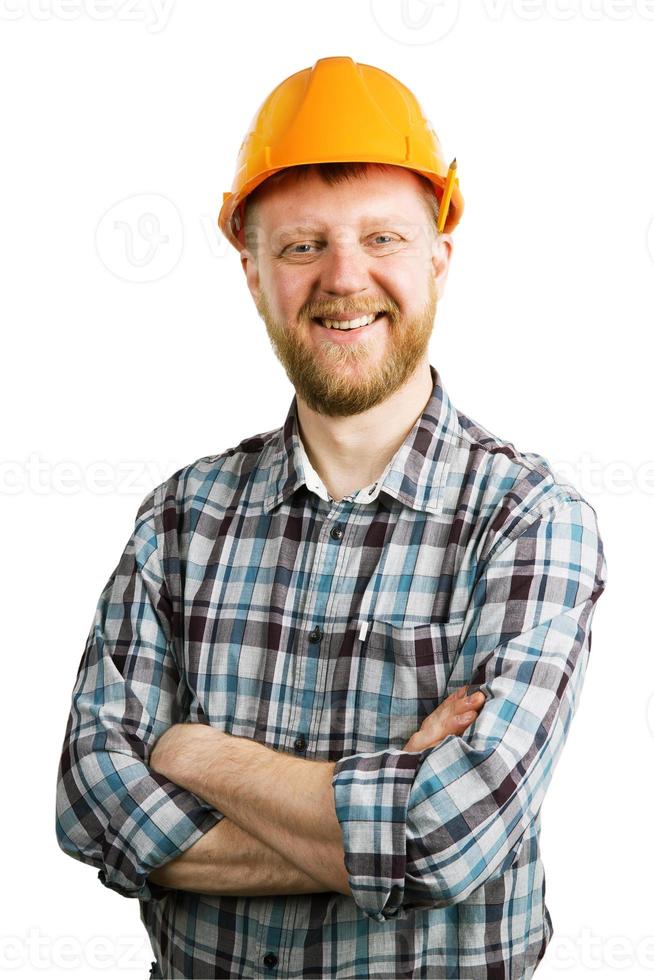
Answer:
[(466, 710), (469, 705), (448, 720), (428, 738), (466, 689)]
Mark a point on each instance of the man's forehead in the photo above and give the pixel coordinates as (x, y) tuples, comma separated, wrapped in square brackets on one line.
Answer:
[(311, 204)]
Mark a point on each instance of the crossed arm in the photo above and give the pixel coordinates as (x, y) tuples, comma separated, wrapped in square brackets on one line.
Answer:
[(280, 833), (229, 861)]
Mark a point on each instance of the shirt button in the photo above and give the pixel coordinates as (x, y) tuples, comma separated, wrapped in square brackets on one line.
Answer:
[(270, 959), (300, 744), (315, 636), (336, 532)]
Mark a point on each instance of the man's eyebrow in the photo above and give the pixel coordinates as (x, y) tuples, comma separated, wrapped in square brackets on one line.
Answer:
[(319, 228), (300, 230)]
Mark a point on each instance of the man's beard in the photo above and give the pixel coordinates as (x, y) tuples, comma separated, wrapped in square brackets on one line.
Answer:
[(347, 391)]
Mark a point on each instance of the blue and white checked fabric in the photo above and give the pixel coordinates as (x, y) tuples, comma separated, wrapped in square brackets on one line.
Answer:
[(246, 598)]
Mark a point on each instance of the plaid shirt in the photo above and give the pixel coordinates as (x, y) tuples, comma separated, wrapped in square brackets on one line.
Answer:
[(246, 598)]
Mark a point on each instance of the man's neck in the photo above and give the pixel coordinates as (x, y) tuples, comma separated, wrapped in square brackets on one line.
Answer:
[(351, 453)]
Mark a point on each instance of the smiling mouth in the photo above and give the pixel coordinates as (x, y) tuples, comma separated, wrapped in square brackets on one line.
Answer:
[(361, 322)]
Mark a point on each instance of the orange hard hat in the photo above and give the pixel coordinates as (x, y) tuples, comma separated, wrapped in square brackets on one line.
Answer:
[(338, 111)]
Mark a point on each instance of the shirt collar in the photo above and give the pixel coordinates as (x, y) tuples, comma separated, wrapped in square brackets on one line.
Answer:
[(415, 475)]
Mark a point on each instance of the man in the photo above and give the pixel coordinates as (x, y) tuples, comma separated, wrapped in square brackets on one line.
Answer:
[(274, 742)]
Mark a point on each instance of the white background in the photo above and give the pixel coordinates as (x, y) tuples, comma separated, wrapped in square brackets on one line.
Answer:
[(132, 348)]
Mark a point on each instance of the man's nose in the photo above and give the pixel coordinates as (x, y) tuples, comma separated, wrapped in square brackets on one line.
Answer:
[(344, 267)]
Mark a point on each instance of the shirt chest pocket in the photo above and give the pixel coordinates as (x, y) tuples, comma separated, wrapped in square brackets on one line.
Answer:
[(399, 676)]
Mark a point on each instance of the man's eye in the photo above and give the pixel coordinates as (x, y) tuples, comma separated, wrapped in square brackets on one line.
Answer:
[(292, 248), (302, 248)]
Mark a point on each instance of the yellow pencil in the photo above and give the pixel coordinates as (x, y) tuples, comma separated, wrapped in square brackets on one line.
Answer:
[(447, 194)]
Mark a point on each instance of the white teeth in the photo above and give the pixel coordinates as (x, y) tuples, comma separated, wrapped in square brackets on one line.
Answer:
[(363, 321)]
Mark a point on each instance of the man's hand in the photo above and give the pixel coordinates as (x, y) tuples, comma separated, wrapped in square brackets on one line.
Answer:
[(451, 717)]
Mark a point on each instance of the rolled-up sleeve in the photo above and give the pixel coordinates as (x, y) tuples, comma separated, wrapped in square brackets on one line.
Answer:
[(425, 829), (112, 811)]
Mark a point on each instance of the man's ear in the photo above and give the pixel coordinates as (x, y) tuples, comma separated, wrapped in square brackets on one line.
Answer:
[(251, 270), (440, 259)]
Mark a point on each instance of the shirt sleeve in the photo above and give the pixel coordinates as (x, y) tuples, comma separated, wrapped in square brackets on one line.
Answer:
[(112, 811), (425, 829)]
